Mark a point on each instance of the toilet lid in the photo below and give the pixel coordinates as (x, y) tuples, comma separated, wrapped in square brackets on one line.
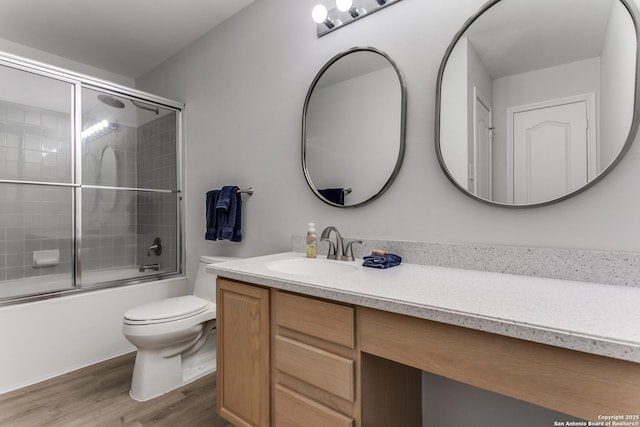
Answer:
[(166, 310)]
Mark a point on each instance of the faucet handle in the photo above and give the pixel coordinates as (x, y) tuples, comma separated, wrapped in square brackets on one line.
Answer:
[(332, 249), (156, 247), (348, 250)]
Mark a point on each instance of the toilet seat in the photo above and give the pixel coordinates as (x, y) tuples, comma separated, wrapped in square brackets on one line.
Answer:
[(166, 310)]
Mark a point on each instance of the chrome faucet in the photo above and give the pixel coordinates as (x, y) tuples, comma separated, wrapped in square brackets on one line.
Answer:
[(338, 251), (347, 255), (156, 247), (335, 251)]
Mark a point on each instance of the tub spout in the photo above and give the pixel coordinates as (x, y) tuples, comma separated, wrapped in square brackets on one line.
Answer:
[(145, 267)]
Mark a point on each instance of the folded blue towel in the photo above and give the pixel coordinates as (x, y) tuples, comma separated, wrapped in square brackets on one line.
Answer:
[(227, 194), (224, 214), (382, 261), (211, 216), (335, 195), (229, 214)]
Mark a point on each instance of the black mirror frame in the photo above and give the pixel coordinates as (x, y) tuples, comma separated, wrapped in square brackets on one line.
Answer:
[(403, 119), (630, 138)]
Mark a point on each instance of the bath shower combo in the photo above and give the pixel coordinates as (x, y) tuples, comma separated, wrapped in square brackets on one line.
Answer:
[(89, 176)]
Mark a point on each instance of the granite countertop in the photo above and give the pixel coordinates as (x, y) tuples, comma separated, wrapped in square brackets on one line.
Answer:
[(588, 317)]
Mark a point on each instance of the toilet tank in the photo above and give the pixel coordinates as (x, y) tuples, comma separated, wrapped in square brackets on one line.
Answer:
[(205, 284)]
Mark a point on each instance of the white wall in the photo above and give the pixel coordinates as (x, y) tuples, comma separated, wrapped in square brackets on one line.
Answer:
[(61, 62), (51, 337), (477, 77), (562, 81), (465, 71), (454, 123), (617, 84), (244, 85), (443, 399), (347, 119)]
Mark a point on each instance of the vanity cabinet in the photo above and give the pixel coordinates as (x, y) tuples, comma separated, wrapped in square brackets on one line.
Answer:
[(315, 358), (243, 343), (286, 359), (580, 384)]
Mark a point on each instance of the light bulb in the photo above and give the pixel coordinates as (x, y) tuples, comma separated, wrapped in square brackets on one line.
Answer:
[(319, 14), (104, 124), (344, 5)]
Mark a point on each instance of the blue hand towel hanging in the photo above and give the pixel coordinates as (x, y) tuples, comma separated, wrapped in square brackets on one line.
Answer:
[(335, 195), (211, 215), (229, 214)]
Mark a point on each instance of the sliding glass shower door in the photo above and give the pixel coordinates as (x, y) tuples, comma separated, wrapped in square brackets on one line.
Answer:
[(89, 184), (36, 158), (129, 191)]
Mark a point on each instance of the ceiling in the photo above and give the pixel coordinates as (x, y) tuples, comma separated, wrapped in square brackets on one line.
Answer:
[(517, 36), (127, 37)]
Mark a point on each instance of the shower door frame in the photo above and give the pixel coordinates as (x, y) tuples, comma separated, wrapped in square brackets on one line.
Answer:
[(80, 81)]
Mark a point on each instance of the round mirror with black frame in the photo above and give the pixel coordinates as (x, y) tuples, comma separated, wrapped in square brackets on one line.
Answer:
[(353, 127), (538, 100)]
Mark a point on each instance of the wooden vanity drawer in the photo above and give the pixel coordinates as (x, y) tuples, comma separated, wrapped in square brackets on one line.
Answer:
[(292, 407), (321, 319), (327, 371)]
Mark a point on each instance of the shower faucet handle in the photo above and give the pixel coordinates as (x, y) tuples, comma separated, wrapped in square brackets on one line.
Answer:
[(156, 247)]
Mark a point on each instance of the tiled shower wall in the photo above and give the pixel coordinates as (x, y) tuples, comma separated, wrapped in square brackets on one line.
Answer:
[(109, 229), (35, 145), (157, 212)]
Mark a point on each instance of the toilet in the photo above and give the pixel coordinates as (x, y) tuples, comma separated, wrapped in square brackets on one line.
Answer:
[(175, 337)]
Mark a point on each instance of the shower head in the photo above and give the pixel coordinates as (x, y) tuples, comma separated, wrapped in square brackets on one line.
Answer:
[(143, 106), (111, 101), (116, 103)]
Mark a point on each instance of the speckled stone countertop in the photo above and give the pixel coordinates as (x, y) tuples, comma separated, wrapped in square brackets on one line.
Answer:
[(588, 317)]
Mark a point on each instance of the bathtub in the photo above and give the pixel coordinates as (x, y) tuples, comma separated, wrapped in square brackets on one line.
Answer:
[(50, 337), (62, 282)]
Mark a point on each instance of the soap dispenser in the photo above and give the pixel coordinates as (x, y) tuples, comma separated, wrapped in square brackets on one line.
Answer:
[(312, 241)]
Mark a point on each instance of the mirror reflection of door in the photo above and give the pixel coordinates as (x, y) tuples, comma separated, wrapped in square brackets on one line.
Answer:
[(554, 148), (482, 157), (521, 52)]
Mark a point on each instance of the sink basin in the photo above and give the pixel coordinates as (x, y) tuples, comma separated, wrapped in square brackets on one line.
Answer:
[(312, 267)]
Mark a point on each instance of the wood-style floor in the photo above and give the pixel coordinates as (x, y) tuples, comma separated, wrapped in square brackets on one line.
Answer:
[(98, 396)]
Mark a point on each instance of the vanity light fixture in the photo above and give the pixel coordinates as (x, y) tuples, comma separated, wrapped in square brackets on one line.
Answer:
[(348, 6), (345, 12), (321, 16)]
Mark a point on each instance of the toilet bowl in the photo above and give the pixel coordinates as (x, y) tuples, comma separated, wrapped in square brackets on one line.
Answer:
[(174, 337)]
